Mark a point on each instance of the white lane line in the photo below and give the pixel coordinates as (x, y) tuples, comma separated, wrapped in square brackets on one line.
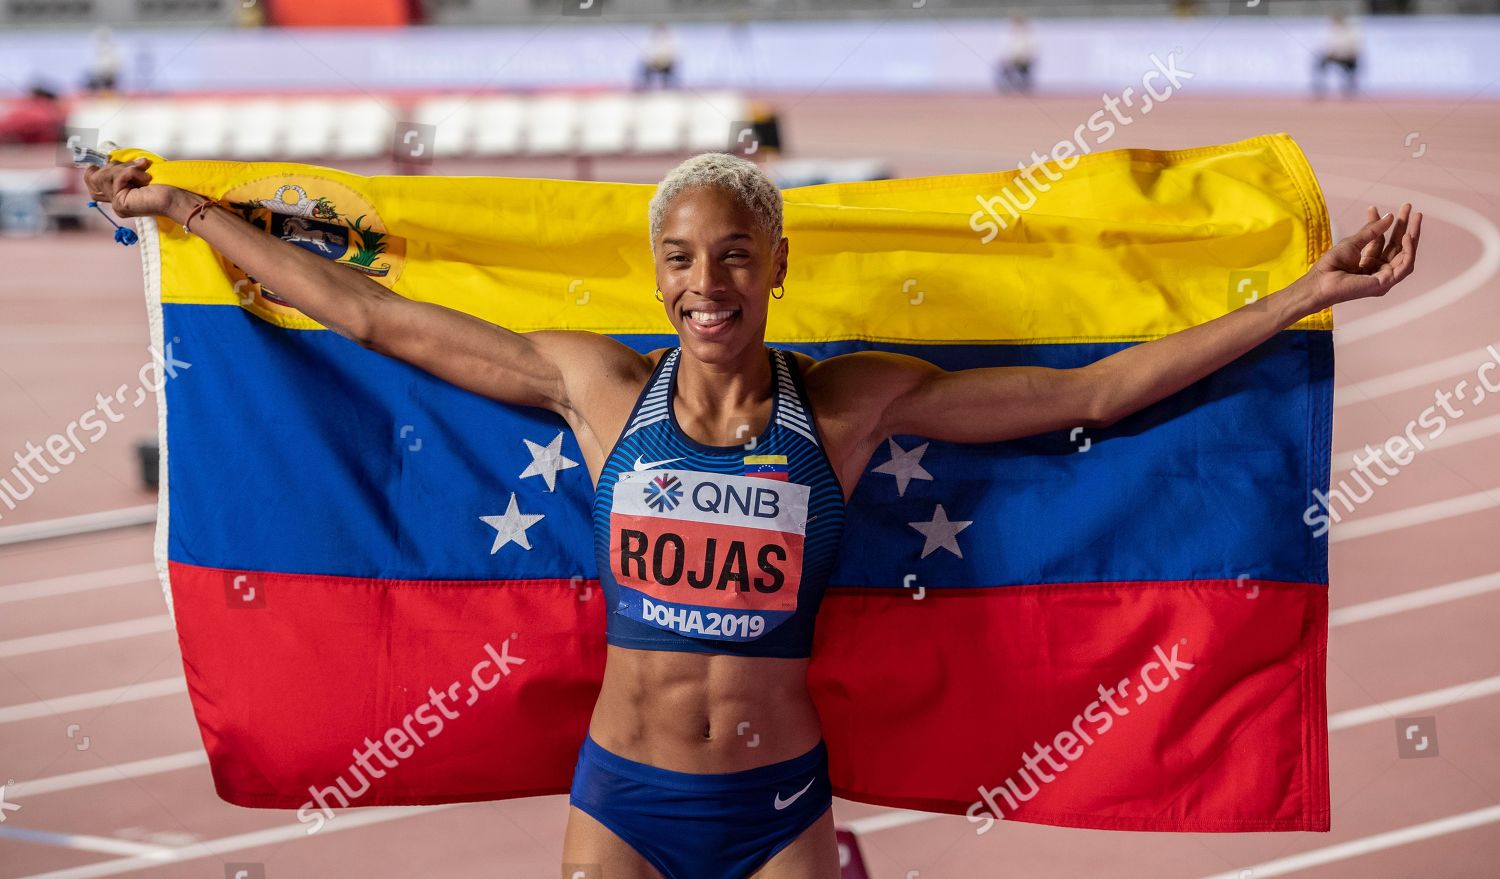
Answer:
[(1381, 711), (84, 842), (1401, 314), (1411, 704), (1381, 607), (72, 583), (888, 820), (1463, 432), (1406, 379), (1367, 845), (883, 821), (1421, 514), (84, 524), (104, 775), (95, 699), (85, 635), (229, 844)]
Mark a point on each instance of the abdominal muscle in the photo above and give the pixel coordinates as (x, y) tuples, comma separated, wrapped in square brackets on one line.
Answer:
[(704, 713), (694, 712)]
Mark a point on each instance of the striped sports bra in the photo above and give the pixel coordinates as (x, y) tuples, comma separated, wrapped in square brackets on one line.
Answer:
[(717, 549)]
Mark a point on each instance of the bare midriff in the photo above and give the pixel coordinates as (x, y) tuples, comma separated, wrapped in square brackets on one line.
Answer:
[(704, 713)]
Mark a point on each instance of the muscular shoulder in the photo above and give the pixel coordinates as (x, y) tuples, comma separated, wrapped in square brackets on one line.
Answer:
[(598, 373), (603, 378), (589, 364), (850, 395), (860, 385)]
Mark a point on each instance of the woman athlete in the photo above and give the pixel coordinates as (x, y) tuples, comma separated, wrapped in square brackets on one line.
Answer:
[(704, 756)]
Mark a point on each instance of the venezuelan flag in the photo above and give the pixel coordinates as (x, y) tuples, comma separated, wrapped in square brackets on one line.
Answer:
[(766, 466), (1120, 628)]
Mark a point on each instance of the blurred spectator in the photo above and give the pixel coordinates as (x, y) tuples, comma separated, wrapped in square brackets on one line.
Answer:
[(1340, 49), (37, 118), (1020, 53), (661, 58), (767, 130), (251, 15), (104, 73), (144, 78)]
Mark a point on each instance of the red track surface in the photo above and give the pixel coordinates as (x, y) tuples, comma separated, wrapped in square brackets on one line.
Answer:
[(72, 325)]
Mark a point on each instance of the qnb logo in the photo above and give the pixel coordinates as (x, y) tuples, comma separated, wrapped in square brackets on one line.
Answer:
[(664, 493)]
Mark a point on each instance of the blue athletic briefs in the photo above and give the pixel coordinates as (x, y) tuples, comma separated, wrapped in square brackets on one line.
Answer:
[(717, 549), (703, 826)]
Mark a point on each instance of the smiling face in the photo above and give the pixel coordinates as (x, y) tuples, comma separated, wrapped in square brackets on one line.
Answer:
[(715, 267)]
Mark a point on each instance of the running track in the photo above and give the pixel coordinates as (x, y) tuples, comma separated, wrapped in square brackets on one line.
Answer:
[(1415, 571)]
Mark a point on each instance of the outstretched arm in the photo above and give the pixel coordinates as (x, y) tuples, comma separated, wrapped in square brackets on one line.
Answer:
[(1362, 265), (999, 403), (550, 369)]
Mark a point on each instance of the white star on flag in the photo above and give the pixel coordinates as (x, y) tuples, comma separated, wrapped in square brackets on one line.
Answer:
[(940, 532), (904, 465), (511, 526), (547, 460)]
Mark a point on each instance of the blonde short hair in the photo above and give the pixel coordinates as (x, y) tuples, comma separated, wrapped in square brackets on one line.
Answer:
[(741, 177)]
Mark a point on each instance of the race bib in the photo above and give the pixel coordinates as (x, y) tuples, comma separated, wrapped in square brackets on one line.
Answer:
[(710, 555)]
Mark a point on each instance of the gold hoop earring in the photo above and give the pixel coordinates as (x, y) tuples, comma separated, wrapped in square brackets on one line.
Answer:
[(658, 296), (783, 292)]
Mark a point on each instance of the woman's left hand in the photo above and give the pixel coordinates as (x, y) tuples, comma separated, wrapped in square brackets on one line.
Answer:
[(1365, 264)]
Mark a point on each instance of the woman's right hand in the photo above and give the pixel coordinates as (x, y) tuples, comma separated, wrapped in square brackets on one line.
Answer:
[(128, 188)]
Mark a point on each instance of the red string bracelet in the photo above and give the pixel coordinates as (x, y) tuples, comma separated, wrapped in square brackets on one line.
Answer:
[(202, 206)]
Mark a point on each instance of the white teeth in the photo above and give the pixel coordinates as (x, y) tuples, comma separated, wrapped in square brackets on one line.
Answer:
[(710, 317)]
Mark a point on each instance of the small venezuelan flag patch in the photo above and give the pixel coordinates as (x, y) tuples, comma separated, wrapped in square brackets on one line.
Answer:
[(766, 466)]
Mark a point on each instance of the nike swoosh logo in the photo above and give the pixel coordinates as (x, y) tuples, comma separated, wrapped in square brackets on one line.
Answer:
[(644, 465), (782, 804)]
